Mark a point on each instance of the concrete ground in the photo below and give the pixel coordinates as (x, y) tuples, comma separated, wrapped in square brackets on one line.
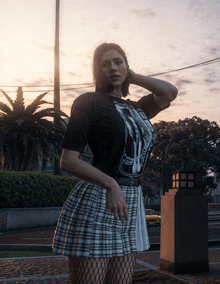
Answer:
[(54, 269)]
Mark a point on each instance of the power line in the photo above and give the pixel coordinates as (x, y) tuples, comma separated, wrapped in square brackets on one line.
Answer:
[(188, 67), (77, 88), (42, 91), (39, 86), (90, 85)]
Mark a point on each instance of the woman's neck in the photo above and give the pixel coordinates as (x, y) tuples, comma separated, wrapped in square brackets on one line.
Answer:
[(117, 94)]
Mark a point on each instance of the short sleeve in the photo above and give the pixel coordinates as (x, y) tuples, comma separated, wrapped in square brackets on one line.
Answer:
[(148, 105), (78, 128)]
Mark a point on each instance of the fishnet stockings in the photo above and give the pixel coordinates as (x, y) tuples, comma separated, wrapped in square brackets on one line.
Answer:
[(115, 270), (121, 269)]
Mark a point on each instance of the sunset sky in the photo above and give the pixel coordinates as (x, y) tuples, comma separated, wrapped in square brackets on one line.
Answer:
[(157, 36)]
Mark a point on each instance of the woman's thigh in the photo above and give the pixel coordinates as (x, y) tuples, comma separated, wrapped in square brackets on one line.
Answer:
[(121, 269), (87, 270)]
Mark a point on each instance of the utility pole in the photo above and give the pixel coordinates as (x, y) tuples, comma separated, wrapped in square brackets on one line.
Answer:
[(56, 167)]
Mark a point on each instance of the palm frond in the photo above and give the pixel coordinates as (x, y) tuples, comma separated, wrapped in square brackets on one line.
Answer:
[(41, 102), (35, 103), (33, 107), (8, 98), (50, 112), (27, 135), (6, 109), (43, 113), (19, 101)]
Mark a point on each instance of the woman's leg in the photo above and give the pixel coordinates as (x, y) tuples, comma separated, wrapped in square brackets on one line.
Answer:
[(121, 269), (87, 270)]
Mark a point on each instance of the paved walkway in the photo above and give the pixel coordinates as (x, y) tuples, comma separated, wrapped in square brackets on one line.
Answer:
[(55, 269)]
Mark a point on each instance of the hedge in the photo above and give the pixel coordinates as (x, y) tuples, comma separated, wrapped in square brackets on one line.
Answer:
[(33, 189)]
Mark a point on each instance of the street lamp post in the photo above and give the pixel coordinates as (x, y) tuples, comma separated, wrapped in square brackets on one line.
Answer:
[(184, 226), (56, 167)]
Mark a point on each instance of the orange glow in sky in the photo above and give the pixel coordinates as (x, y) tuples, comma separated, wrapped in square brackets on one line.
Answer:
[(157, 36)]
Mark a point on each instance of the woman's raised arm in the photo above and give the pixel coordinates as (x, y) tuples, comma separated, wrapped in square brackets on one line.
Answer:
[(163, 91)]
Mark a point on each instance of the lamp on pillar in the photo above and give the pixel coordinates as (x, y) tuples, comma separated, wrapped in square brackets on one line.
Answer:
[(183, 179), (184, 226)]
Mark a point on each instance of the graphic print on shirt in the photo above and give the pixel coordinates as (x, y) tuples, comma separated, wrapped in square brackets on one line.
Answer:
[(139, 140)]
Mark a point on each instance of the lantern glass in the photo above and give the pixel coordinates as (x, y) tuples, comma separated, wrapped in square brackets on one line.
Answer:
[(183, 179), (182, 183), (191, 184), (191, 177), (182, 175)]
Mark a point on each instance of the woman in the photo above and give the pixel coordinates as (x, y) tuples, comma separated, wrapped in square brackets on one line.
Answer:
[(102, 224)]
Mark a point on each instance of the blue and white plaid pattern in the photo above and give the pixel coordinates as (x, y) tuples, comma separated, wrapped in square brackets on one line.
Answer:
[(85, 227)]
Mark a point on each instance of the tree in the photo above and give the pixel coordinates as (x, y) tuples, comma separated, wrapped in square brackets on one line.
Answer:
[(146, 189), (25, 134), (189, 144)]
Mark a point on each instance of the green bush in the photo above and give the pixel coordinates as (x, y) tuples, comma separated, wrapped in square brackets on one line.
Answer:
[(32, 189)]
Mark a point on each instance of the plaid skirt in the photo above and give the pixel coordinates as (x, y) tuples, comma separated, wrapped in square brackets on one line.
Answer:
[(85, 227)]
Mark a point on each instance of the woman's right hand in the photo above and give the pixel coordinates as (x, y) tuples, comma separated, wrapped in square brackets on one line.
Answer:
[(115, 200), (115, 203)]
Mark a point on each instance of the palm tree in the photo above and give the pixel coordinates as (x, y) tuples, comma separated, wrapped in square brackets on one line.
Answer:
[(26, 135)]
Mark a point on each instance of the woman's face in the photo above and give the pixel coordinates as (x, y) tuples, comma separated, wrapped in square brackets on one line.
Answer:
[(114, 69)]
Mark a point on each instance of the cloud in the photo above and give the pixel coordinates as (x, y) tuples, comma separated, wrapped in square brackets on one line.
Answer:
[(181, 82), (213, 50), (41, 81), (140, 91), (211, 77), (209, 81), (180, 104), (137, 92), (171, 46), (73, 74), (147, 13), (68, 97), (205, 10), (213, 90), (18, 81), (75, 92), (169, 76), (115, 25), (181, 93), (211, 72), (50, 48)]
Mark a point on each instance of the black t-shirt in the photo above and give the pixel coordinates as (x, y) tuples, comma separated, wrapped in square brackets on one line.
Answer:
[(117, 131)]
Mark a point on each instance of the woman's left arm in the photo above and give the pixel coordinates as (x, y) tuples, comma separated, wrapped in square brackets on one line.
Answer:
[(163, 91)]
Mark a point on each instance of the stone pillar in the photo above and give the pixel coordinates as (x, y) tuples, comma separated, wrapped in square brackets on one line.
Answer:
[(184, 231)]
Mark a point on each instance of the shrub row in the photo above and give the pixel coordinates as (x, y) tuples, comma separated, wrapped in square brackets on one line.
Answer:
[(32, 189)]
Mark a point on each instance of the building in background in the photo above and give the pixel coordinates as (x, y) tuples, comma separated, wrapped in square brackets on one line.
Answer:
[(216, 192)]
